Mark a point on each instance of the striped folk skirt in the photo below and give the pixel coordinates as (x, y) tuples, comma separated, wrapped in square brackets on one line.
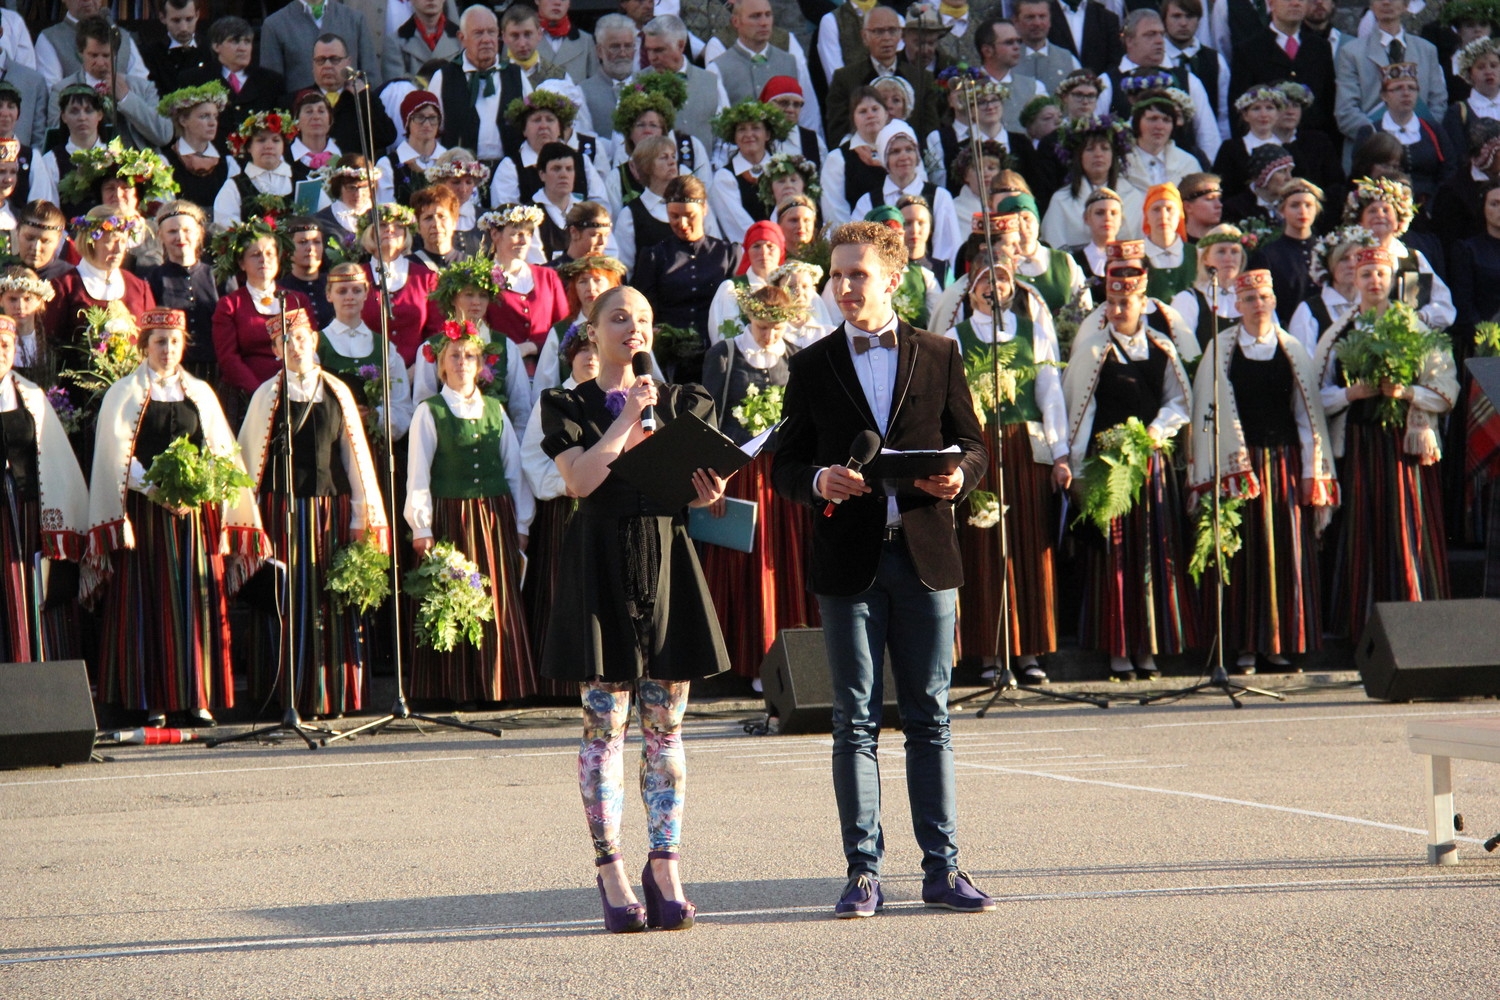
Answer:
[(1029, 534), (1391, 542), (756, 594), (333, 647), (501, 668), (1138, 598), (22, 608), (1272, 603), (543, 551), (165, 617)]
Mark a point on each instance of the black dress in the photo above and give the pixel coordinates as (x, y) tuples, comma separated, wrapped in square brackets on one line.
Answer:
[(631, 600)]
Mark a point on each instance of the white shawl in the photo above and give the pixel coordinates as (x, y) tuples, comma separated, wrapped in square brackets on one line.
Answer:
[(114, 448), (63, 496), (255, 440)]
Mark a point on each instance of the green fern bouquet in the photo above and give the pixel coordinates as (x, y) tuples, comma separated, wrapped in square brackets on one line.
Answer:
[(1113, 477), (360, 577), (1391, 348), (183, 476), (453, 596)]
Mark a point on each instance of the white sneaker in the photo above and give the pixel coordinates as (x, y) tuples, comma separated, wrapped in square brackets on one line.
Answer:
[(1034, 675)]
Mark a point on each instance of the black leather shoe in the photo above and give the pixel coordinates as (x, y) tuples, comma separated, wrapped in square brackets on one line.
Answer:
[(201, 717)]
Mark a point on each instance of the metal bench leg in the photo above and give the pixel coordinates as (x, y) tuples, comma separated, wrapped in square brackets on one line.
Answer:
[(1441, 849)]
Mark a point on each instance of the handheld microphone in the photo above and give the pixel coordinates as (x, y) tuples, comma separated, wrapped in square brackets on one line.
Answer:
[(863, 451), (640, 364)]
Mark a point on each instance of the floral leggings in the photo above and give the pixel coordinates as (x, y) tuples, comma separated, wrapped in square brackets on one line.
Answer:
[(601, 759)]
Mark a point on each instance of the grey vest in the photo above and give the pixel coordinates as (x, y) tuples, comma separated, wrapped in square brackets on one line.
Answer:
[(64, 38), (702, 103), (744, 79)]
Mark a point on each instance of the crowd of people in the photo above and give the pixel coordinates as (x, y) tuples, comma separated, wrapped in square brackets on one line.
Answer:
[(436, 246)]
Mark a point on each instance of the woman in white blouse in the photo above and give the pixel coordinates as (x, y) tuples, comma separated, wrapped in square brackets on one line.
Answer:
[(262, 139)]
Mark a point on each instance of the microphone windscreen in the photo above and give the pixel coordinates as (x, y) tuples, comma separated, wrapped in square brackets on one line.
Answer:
[(640, 363), (866, 445)]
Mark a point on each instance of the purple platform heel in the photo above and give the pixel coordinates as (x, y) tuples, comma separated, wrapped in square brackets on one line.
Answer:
[(619, 919), (668, 914)]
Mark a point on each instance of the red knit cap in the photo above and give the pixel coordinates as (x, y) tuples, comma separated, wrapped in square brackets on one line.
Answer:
[(779, 85), (418, 99)]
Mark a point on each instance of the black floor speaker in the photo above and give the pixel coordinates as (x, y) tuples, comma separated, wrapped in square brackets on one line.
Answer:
[(1431, 649), (794, 675), (46, 714)]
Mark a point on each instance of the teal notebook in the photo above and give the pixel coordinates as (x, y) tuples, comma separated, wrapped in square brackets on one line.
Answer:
[(735, 530)]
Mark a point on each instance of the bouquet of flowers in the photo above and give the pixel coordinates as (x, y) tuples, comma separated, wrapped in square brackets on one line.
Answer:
[(183, 476), (1256, 232), (110, 336), (1393, 348), (454, 598), (1231, 516), (69, 415), (269, 207), (909, 301), (360, 577), (1067, 320), (374, 389), (984, 509), (1112, 478), (761, 408)]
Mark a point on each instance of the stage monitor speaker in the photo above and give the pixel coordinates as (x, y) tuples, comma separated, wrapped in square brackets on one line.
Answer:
[(1431, 649), (794, 676), (46, 714)]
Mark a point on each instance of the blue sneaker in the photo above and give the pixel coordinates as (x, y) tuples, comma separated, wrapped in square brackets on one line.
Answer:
[(952, 890), (862, 898)]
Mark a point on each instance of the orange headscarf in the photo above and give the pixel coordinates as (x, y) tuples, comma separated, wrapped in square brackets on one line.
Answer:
[(1165, 192)]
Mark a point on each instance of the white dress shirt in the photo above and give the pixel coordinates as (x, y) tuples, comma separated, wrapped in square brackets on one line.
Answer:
[(1048, 387)]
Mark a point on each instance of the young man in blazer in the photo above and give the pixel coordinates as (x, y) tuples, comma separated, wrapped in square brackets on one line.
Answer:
[(885, 569)]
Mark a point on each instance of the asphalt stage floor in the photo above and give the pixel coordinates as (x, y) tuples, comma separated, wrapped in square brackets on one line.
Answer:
[(1187, 850)]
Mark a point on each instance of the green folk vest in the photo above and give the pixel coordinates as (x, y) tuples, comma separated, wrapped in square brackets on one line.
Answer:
[(1025, 407), (1164, 283), (1054, 284), (467, 463)]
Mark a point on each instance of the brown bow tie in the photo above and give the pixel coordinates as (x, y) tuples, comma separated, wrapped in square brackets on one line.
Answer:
[(863, 342)]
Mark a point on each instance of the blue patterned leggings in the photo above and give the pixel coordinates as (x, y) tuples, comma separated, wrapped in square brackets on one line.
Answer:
[(601, 759)]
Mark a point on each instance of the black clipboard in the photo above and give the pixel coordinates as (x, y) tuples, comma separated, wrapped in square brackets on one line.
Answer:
[(662, 466), (898, 472)]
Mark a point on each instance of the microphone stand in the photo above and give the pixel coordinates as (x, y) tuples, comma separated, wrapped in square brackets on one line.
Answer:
[(288, 646), (1218, 679), (1004, 683), (400, 708)]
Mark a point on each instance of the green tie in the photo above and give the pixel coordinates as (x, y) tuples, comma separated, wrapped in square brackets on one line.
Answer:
[(488, 76), (317, 9)]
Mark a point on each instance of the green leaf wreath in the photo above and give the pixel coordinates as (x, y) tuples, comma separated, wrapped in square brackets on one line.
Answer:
[(1231, 517), (360, 577), (761, 408), (1391, 348), (454, 599), (672, 344), (184, 476), (1112, 477)]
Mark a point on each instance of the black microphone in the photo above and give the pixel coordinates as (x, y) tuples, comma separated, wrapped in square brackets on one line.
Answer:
[(866, 445), (640, 364)]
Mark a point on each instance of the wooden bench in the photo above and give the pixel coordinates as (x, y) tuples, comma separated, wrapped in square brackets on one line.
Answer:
[(1442, 740)]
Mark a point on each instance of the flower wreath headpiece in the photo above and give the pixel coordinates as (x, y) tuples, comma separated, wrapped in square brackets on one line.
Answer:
[(635, 102), (1368, 190), (786, 165), (280, 122), (751, 112), (1264, 92), (541, 100), (213, 92), (1324, 248), (132, 226), (454, 169), (476, 272), (757, 310), (512, 215), (143, 168), (1075, 133), (20, 283), (228, 245)]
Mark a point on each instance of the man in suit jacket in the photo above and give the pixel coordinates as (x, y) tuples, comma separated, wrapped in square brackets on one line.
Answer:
[(34, 98), (426, 35), (1283, 51), (1042, 60), (885, 569), (330, 63), (882, 38), (564, 44), (1089, 30), (286, 40), (614, 55), (174, 46), (137, 122), (666, 50), (1360, 60), (252, 89)]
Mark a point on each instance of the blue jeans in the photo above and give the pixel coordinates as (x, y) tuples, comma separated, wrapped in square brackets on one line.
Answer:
[(900, 613)]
